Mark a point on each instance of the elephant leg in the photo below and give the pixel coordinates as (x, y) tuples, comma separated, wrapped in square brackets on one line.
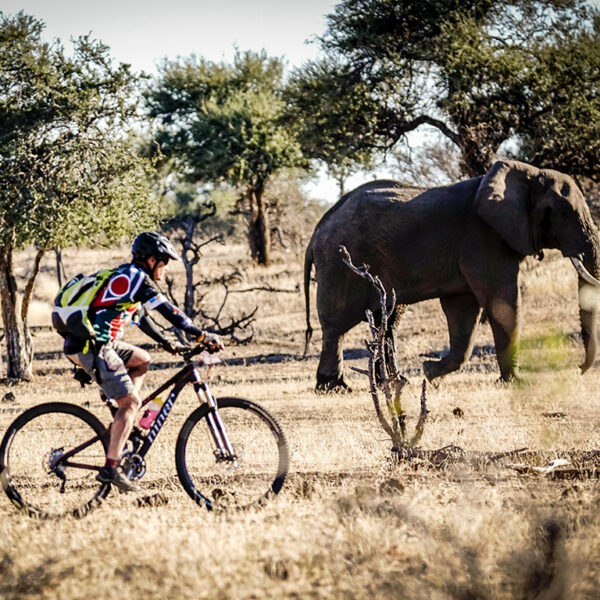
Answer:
[(462, 312), (503, 318), (330, 373)]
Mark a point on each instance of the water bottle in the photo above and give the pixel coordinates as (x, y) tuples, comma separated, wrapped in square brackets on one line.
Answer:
[(149, 415)]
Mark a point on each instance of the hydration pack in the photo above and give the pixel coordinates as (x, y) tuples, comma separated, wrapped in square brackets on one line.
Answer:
[(70, 315)]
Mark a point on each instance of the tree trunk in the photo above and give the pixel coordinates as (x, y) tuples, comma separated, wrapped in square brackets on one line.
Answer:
[(61, 275), (341, 185), (19, 348), (259, 234), (189, 301), (478, 150)]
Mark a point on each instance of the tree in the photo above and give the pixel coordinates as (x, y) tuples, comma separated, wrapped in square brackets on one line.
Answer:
[(293, 214), (332, 134), (224, 124), (479, 71), (565, 134), (433, 163), (68, 173)]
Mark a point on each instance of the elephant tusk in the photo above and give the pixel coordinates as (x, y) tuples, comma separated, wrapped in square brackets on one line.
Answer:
[(583, 272)]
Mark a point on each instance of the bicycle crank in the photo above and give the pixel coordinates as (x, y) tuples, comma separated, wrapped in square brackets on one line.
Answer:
[(133, 465)]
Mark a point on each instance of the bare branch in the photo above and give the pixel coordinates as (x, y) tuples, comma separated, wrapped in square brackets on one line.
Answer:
[(267, 287), (383, 364), (186, 234), (420, 427)]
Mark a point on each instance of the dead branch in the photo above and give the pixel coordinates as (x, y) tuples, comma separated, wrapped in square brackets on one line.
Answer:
[(267, 287), (500, 455), (420, 427), (279, 233), (383, 368), (186, 235)]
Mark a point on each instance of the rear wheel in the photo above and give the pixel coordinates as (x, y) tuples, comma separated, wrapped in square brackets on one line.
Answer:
[(255, 473), (32, 471)]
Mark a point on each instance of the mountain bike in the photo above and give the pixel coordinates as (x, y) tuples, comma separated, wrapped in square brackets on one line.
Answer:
[(230, 452)]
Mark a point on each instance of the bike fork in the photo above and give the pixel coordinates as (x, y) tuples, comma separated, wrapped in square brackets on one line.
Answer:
[(224, 449)]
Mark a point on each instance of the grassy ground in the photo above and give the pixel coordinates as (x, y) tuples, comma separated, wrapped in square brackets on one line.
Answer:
[(351, 522)]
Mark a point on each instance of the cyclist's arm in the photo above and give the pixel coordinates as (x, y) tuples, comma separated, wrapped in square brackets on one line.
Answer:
[(148, 326), (171, 313)]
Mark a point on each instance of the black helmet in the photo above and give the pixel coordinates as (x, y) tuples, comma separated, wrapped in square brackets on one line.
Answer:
[(152, 243)]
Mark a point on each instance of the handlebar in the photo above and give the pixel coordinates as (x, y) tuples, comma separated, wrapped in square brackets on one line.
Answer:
[(188, 354)]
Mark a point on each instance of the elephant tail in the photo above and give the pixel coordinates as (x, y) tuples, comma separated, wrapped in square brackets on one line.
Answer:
[(308, 263)]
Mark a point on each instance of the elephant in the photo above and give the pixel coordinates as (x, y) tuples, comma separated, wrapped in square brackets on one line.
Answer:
[(462, 243)]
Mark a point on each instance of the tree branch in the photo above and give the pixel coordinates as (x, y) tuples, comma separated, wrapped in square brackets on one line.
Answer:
[(28, 292), (383, 365)]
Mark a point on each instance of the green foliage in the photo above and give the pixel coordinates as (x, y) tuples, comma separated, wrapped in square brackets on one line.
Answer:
[(223, 122), (480, 71), (564, 132), (334, 112), (68, 172), (190, 200)]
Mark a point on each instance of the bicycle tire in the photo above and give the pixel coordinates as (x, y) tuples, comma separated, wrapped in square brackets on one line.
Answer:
[(25, 452), (257, 439)]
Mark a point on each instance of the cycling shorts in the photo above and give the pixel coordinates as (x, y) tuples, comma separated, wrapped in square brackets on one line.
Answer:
[(107, 363)]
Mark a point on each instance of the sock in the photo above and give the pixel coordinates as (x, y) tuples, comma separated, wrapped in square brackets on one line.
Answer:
[(112, 462)]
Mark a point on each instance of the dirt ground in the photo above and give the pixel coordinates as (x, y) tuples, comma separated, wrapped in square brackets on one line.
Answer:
[(353, 520)]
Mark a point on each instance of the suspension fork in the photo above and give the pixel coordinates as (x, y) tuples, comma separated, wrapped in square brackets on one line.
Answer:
[(224, 448)]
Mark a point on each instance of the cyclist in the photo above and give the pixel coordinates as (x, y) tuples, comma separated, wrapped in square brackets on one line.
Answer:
[(119, 367)]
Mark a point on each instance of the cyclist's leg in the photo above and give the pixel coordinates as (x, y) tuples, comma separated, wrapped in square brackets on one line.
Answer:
[(135, 359), (137, 367), (107, 365), (117, 384), (122, 368)]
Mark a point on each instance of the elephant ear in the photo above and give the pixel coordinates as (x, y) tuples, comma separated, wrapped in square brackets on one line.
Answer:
[(503, 202)]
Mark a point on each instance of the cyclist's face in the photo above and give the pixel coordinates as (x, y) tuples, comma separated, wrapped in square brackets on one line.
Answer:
[(158, 267)]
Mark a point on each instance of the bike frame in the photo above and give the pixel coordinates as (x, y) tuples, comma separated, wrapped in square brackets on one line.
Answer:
[(188, 374)]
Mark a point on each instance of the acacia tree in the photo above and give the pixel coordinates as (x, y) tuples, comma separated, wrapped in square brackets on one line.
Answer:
[(333, 108), (566, 134), (68, 174), (479, 71), (223, 123)]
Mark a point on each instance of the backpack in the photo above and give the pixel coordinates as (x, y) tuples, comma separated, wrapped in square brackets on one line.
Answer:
[(73, 301)]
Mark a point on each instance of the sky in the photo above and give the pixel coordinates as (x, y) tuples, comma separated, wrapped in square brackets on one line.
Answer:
[(143, 32)]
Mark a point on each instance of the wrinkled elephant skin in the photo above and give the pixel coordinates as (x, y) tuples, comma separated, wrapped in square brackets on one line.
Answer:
[(461, 243)]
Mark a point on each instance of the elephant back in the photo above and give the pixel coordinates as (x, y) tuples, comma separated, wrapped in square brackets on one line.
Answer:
[(393, 190)]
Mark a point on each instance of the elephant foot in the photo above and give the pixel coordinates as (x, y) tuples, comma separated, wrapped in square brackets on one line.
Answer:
[(334, 386), (509, 378), (431, 370)]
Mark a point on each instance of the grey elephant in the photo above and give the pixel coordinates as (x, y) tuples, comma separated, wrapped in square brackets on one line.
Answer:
[(463, 244)]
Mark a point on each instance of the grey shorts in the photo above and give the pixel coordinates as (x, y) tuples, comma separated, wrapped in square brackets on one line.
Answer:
[(110, 364)]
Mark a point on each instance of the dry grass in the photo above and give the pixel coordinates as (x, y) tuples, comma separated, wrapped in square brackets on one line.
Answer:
[(350, 522)]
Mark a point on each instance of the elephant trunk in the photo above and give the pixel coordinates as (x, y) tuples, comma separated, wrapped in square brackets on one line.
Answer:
[(589, 290), (588, 317)]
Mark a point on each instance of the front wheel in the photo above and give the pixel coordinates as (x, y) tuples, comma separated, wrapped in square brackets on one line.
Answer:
[(257, 469), (49, 459)]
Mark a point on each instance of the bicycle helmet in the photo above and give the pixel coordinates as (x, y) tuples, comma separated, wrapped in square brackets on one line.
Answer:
[(152, 243)]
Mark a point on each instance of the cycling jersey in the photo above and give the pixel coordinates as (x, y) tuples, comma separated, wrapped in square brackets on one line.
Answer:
[(128, 291)]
